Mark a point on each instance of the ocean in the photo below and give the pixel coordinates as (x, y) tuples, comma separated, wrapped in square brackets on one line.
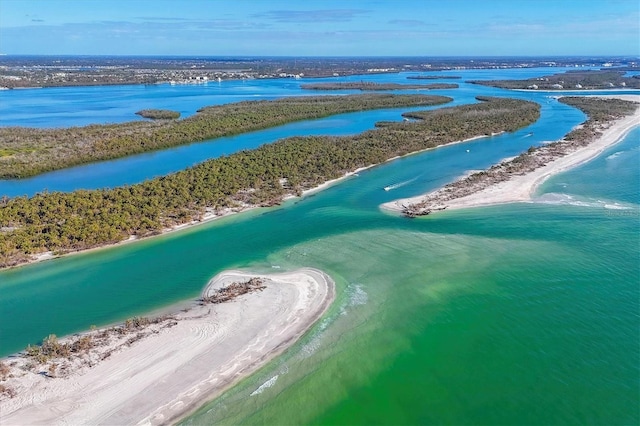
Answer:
[(515, 314)]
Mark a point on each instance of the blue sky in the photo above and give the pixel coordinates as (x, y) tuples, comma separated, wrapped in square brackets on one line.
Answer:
[(320, 27)]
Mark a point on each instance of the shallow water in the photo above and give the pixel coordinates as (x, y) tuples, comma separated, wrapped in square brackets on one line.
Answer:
[(517, 314)]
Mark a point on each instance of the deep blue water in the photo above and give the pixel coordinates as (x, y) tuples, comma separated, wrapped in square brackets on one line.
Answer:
[(20, 105)]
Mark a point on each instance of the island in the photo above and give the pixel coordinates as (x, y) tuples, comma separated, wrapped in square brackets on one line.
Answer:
[(52, 224), (155, 371), (158, 114), (27, 152), (366, 85), (570, 80), (433, 77), (517, 179)]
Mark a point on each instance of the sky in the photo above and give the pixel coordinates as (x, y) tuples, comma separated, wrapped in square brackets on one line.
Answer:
[(321, 27)]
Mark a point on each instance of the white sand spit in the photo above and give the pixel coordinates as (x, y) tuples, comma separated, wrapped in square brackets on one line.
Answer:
[(166, 375), (522, 188)]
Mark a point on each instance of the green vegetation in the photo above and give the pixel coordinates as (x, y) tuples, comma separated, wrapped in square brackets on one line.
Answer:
[(62, 222), (600, 109), (159, 114), (364, 85), (234, 290), (434, 77), (40, 150), (570, 80), (492, 115), (601, 113)]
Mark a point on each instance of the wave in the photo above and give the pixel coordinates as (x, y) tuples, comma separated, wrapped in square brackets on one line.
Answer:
[(265, 385), (615, 155), (571, 200), (310, 348), (356, 296)]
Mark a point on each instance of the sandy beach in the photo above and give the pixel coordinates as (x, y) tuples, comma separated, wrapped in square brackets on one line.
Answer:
[(179, 366), (521, 188)]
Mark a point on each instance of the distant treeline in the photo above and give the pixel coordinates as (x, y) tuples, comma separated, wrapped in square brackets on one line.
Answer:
[(365, 85), (62, 222), (27, 152), (159, 114), (600, 111), (570, 80), (433, 77)]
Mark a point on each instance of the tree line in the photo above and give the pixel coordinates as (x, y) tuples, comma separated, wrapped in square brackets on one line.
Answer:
[(368, 85), (62, 222), (28, 151)]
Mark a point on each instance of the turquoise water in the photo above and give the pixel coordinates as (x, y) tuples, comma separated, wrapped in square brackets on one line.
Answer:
[(518, 314)]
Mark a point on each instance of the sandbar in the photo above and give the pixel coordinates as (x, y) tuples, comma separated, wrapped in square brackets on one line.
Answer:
[(168, 374), (522, 188)]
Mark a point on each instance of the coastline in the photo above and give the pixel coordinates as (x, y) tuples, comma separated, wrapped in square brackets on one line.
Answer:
[(573, 91), (522, 188), (211, 216), (176, 368)]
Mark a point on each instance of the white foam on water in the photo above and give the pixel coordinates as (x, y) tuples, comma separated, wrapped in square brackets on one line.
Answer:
[(265, 385), (570, 200), (615, 155), (356, 296), (313, 345)]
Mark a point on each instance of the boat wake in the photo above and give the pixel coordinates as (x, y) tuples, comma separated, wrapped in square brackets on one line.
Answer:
[(398, 185)]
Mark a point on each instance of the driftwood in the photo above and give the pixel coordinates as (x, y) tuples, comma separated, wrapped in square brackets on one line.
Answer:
[(234, 290)]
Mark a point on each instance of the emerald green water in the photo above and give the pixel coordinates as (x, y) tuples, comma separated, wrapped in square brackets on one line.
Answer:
[(521, 314), (518, 314)]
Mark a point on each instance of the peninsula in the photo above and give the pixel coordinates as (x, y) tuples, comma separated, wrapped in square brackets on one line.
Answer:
[(155, 372), (516, 180), (570, 80)]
